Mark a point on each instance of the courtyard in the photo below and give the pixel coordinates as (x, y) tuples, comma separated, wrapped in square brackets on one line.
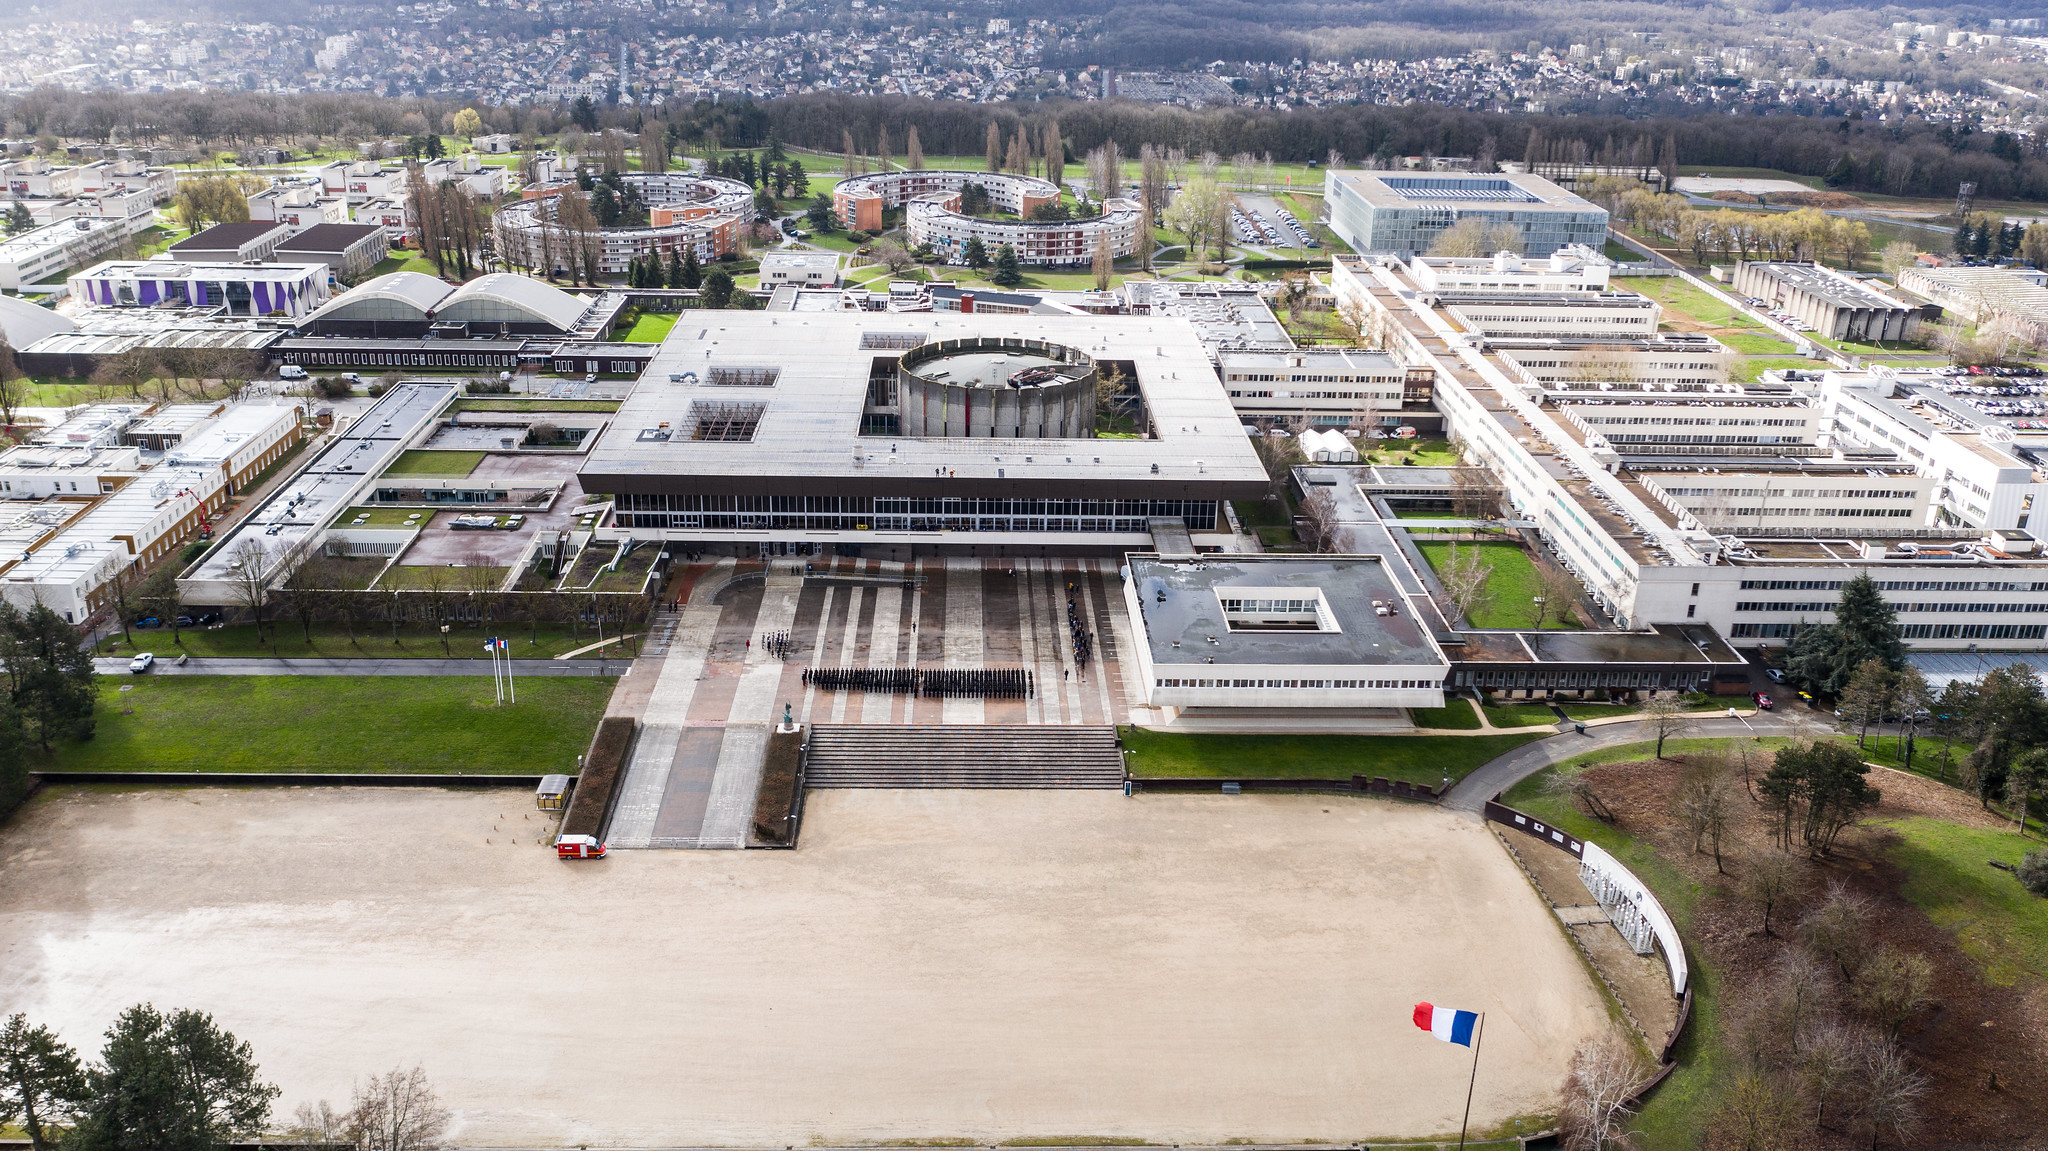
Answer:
[(981, 965)]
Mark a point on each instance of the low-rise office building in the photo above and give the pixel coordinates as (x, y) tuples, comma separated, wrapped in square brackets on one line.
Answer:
[(1667, 361), (349, 251), (299, 203), (283, 290), (1838, 307), (1309, 388), (232, 243), (766, 432), (1279, 632), (1563, 315), (801, 268), (33, 256), (1571, 268)]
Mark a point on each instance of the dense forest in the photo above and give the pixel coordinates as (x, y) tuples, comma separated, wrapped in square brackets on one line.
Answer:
[(1909, 158)]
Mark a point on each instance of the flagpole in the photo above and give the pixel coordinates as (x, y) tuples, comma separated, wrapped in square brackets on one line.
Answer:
[(511, 691), (1479, 1035)]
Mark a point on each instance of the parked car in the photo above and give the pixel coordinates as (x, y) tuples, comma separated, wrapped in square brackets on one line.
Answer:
[(590, 378), (209, 619), (141, 663), (291, 372), (149, 621), (1774, 675), (1763, 702), (186, 621)]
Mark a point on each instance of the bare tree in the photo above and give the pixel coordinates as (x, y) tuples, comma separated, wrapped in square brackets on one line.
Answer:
[(1831, 1055), (1771, 880), (397, 1111), (13, 387), (304, 592), (1701, 805), (246, 583), (1758, 1114), (1894, 986), (1838, 931), (1598, 1094), (1887, 1094), (1664, 717), (1465, 577), (1474, 494), (1561, 594), (1319, 524), (1572, 785), (318, 1123)]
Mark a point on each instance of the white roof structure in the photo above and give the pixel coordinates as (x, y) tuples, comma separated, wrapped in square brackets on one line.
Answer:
[(394, 296), (23, 323), (505, 296)]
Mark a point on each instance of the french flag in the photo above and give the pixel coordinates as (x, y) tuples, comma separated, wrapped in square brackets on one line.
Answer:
[(1446, 1024)]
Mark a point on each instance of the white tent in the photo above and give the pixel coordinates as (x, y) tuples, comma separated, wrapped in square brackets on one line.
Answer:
[(1328, 447)]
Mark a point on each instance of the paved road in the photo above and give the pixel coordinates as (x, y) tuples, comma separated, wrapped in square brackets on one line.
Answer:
[(223, 666), (1502, 772)]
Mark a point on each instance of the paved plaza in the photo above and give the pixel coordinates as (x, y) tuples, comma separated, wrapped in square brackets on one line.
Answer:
[(975, 965), (706, 691)]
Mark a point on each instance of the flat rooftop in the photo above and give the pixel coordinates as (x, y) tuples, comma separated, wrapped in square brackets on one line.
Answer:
[(806, 420), (1188, 627), (1419, 190), (1829, 286)]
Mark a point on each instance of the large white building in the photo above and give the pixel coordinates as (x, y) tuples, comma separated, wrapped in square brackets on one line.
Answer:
[(1279, 632), (931, 202), (1920, 488), (32, 257), (1405, 212)]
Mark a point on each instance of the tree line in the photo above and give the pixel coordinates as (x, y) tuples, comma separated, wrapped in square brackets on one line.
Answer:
[(178, 1081), (1904, 157), (51, 691)]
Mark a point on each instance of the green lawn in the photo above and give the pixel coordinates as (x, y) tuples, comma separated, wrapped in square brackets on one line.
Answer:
[(427, 462), (514, 404), (371, 723), (1621, 253), (650, 328), (1750, 345), (2001, 925), (454, 580), (286, 639), (1415, 758), (1677, 1112), (404, 261), (1748, 369), (1455, 715), (1418, 452), (1520, 715), (1683, 301), (1514, 587)]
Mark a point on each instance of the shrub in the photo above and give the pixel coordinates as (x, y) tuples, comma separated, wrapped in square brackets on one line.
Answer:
[(2033, 872), (487, 387), (858, 237)]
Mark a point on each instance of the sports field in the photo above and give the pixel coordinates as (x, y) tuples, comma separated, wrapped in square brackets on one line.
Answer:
[(928, 965)]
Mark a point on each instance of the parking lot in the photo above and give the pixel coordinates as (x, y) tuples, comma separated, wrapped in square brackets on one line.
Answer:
[(928, 965)]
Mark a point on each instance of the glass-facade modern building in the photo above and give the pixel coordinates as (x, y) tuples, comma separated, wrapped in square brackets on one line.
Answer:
[(1404, 212)]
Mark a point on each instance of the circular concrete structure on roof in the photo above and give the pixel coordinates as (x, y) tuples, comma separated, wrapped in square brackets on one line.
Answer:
[(932, 216), (996, 387), (684, 211)]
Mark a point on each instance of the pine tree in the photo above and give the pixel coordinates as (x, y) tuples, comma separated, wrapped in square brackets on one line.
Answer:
[(693, 273), (975, 253), (799, 184), (1006, 273), (717, 289), (675, 267)]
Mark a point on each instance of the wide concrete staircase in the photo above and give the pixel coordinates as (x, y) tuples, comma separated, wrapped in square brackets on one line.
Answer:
[(875, 755)]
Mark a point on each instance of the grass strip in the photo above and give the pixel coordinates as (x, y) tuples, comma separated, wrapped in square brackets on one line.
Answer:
[(1415, 758), (338, 723)]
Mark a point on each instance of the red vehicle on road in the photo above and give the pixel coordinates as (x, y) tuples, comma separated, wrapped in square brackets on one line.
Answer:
[(580, 847), (1763, 702)]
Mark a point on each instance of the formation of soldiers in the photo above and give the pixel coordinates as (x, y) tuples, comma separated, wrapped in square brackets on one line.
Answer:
[(985, 683), (1084, 640), (776, 643)]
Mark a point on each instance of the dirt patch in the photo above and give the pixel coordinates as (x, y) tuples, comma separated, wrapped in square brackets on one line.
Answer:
[(1976, 1029), (930, 965), (1731, 196), (1814, 199), (599, 779), (775, 805)]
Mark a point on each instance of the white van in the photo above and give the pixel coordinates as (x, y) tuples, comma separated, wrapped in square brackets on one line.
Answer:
[(291, 372)]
